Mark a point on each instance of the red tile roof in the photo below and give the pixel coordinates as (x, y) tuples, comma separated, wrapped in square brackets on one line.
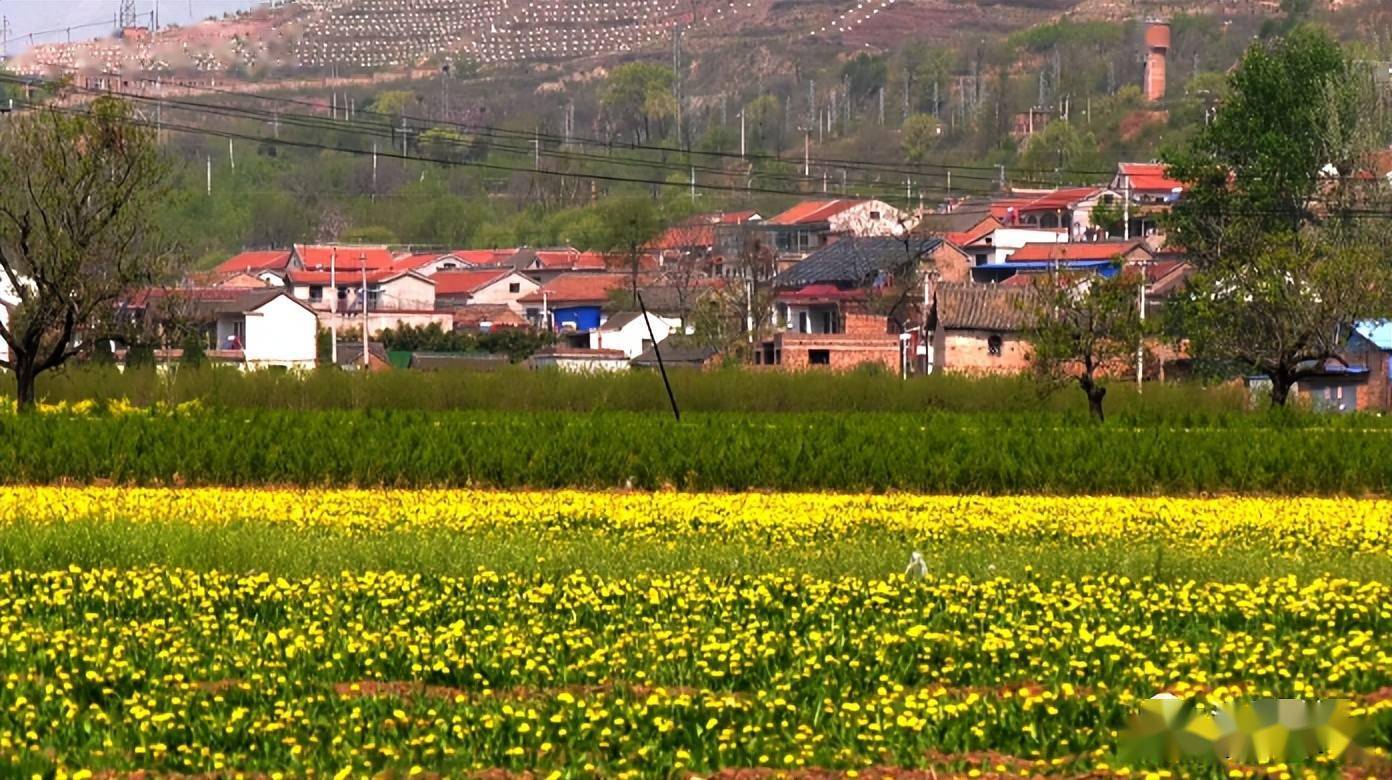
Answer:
[(576, 288), (981, 230), (1099, 250), (346, 278), (1065, 198), (467, 282), (255, 261), (569, 259), (820, 292), (314, 257), (813, 211), (1148, 177)]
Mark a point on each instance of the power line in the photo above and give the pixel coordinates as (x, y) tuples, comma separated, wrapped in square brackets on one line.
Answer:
[(286, 142)]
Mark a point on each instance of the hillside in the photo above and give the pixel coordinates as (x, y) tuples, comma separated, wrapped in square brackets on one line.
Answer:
[(340, 36)]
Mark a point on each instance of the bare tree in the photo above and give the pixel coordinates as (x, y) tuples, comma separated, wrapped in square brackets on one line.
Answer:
[(78, 194)]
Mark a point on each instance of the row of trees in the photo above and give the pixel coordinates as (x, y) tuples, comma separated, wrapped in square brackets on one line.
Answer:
[(1284, 223)]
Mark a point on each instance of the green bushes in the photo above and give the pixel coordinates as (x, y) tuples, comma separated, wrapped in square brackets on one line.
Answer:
[(941, 453)]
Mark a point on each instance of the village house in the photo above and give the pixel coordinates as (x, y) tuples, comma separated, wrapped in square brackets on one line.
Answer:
[(703, 241), (547, 264), (977, 329), (487, 317), (629, 333), (580, 360), (1068, 209), (1101, 257), (482, 286), (350, 356), (1363, 382), (860, 340), (572, 304), (255, 262), (1148, 193), (249, 328), (674, 357), (814, 224), (998, 244)]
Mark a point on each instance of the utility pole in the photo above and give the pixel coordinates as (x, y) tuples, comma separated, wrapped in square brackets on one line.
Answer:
[(1140, 345), (742, 133), (210, 175), (1126, 208), (807, 152), (374, 171), (333, 306), (231, 155), (362, 261), (693, 185), (676, 76), (881, 106)]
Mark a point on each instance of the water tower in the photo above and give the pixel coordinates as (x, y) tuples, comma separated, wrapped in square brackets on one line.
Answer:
[(1157, 48)]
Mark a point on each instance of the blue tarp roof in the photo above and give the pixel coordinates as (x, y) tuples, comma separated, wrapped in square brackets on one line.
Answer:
[(1106, 268), (1379, 332)]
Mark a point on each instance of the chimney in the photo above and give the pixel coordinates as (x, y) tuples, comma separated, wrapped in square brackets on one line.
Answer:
[(1157, 46)]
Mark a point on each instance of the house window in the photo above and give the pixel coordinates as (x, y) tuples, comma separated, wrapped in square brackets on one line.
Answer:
[(316, 293), (515, 287), (981, 258), (802, 322), (534, 314), (875, 216), (993, 346), (819, 357), (827, 323)]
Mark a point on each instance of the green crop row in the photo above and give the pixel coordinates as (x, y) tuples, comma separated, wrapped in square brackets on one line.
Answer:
[(518, 389), (867, 452)]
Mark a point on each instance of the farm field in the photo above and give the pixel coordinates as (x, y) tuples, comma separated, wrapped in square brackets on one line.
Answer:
[(325, 632)]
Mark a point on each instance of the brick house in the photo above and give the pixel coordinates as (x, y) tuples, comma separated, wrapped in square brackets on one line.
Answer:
[(1365, 383), (814, 224), (977, 329), (1097, 256), (862, 339)]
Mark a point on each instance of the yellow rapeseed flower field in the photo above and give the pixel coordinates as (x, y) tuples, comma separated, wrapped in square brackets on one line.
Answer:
[(684, 672), (1278, 524)]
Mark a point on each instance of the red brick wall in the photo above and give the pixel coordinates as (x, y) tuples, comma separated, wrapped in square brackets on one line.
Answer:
[(846, 352), (866, 325), (967, 352)]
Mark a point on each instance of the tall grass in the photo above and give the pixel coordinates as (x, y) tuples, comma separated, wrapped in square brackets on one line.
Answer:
[(518, 389), (927, 452)]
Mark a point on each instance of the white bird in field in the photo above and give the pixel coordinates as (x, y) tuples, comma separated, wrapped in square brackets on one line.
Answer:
[(917, 566)]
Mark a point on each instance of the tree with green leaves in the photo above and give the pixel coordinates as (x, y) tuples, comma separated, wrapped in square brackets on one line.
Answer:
[(77, 197), (1085, 328), (919, 136), (638, 98), (1284, 262), (629, 223)]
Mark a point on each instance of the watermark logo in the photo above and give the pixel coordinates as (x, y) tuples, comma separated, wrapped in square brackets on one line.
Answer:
[(1167, 730)]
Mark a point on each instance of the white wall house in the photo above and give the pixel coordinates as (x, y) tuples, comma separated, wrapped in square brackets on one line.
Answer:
[(999, 244), (271, 328), (628, 333)]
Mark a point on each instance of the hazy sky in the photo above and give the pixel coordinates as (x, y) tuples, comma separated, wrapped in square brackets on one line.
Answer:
[(35, 16)]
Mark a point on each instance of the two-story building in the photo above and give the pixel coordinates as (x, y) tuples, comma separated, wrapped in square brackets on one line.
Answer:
[(814, 224)]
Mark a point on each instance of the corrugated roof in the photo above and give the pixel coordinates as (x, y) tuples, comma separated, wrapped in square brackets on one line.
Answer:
[(673, 356), (981, 307), (854, 261)]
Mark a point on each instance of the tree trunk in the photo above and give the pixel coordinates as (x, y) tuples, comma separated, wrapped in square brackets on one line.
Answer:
[(1280, 390), (24, 385), (1095, 393)]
